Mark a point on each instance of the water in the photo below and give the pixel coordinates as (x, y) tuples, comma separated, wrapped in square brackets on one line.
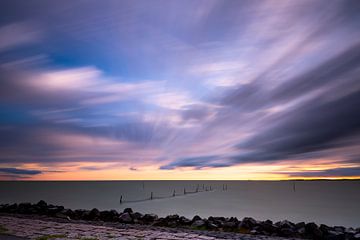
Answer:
[(329, 202)]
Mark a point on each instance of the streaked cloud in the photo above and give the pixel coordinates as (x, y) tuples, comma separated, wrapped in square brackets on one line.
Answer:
[(223, 87)]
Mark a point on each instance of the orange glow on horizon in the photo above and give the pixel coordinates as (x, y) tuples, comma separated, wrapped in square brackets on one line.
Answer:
[(115, 171)]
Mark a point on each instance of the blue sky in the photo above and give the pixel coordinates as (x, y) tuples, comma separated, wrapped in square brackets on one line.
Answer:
[(176, 87)]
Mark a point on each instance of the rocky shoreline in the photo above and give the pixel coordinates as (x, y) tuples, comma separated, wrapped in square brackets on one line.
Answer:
[(247, 225)]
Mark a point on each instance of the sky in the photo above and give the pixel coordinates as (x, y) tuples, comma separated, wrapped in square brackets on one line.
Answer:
[(178, 89)]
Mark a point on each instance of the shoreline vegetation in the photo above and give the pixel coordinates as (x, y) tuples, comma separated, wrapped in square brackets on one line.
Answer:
[(247, 225)]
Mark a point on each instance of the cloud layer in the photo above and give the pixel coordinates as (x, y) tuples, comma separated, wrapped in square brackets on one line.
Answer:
[(203, 85)]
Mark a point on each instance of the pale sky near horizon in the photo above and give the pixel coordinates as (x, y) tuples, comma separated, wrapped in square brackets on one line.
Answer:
[(179, 89)]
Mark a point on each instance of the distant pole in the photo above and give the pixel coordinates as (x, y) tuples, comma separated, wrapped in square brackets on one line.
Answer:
[(174, 193), (121, 199), (151, 196), (210, 187), (184, 191), (294, 187), (203, 186), (143, 185)]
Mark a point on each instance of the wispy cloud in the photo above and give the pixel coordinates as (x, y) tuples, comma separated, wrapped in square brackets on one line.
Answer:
[(203, 85), (18, 171)]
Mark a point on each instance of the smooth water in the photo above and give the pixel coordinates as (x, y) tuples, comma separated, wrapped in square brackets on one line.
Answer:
[(329, 202)]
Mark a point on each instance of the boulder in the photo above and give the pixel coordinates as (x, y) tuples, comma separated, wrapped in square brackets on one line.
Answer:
[(184, 221), (196, 218), (334, 235), (125, 218), (285, 224), (41, 204), (229, 225), (136, 216), (313, 231), (249, 222), (94, 214), (357, 236), (128, 210), (198, 224), (52, 210), (149, 218), (300, 225), (268, 227), (287, 232)]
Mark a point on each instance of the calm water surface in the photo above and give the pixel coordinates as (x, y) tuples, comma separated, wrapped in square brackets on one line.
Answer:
[(329, 202)]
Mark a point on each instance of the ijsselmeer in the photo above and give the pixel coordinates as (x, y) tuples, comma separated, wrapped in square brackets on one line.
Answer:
[(180, 119)]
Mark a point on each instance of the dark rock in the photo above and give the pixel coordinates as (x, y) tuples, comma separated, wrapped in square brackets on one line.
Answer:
[(196, 218), (249, 222), (287, 232), (105, 216), (12, 208), (24, 208), (85, 215), (339, 229), (313, 231), (301, 231), (125, 218), (268, 227), (149, 218), (52, 210), (136, 215), (174, 217), (285, 224), (67, 212), (94, 214), (41, 204), (300, 225), (324, 228), (79, 213), (229, 225), (212, 226), (128, 210), (184, 221), (334, 235), (198, 224), (356, 236), (244, 227)]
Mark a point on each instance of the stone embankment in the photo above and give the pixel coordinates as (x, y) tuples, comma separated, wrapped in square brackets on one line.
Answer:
[(216, 227)]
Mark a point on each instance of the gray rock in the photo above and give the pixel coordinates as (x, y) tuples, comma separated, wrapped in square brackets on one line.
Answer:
[(198, 223), (357, 236), (125, 218)]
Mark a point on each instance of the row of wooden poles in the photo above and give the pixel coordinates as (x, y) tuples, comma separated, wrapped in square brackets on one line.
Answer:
[(197, 190)]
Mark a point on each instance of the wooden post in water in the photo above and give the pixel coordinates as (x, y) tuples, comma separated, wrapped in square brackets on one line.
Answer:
[(203, 186), (184, 191), (210, 187), (151, 196), (121, 199), (294, 187), (174, 193)]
